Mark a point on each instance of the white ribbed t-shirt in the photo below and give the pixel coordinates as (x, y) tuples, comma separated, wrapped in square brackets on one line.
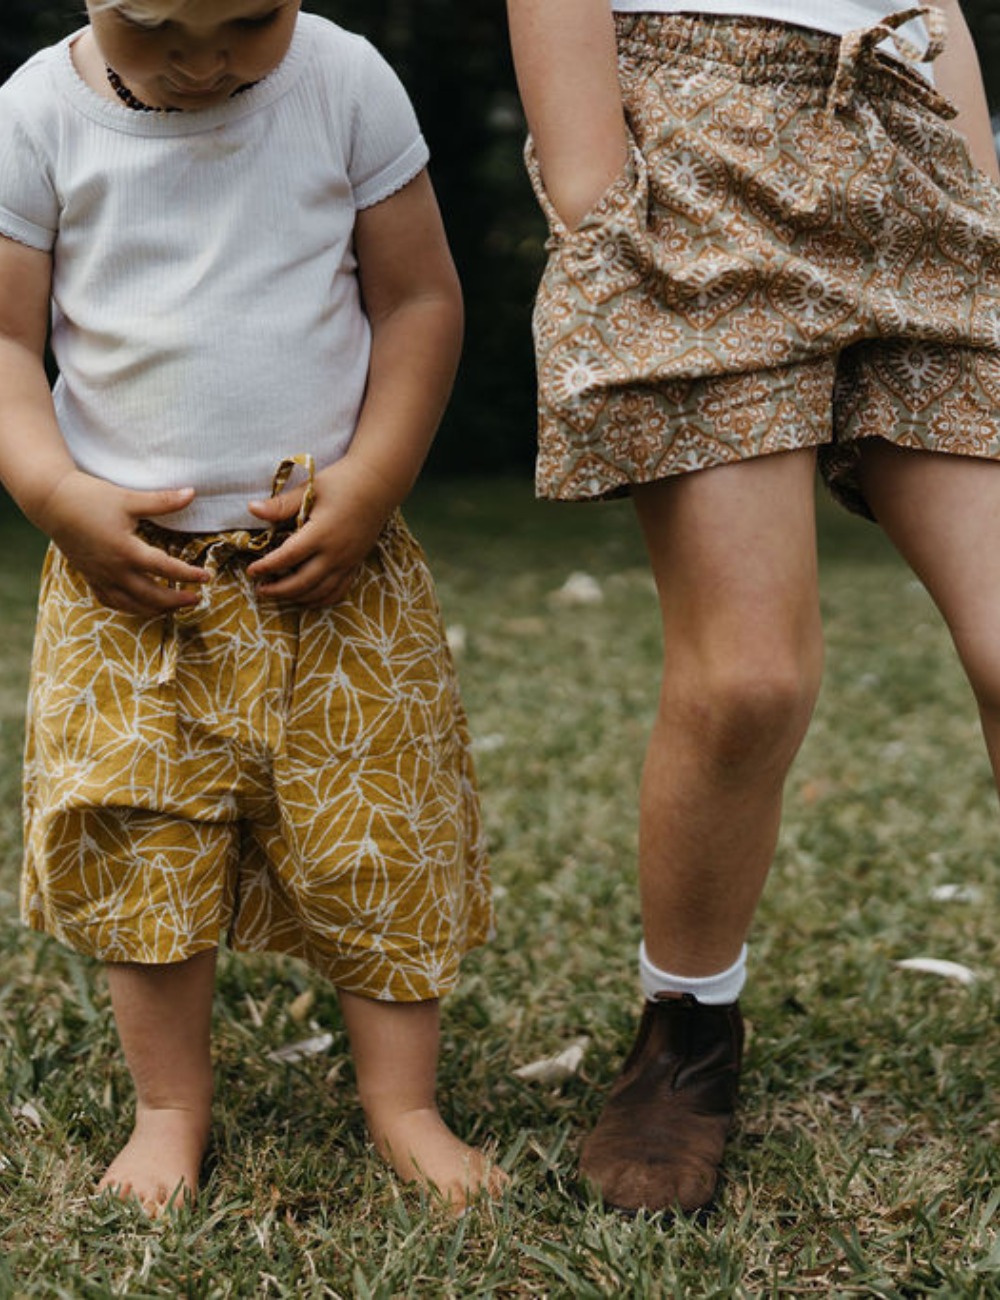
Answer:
[(207, 319), (836, 16)]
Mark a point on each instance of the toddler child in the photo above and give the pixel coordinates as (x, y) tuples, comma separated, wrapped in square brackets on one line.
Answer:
[(243, 714)]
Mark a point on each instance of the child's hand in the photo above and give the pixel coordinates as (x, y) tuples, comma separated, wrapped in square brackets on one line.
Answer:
[(93, 523), (318, 564)]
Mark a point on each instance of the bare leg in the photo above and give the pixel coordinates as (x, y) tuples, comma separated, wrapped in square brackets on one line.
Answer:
[(942, 512), (734, 555), (163, 1015), (395, 1049)]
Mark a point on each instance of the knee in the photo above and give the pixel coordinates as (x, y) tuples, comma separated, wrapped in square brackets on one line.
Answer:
[(748, 715)]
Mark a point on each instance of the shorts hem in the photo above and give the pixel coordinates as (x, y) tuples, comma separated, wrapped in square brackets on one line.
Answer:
[(354, 976), (337, 971), (838, 465), (85, 948), (622, 486)]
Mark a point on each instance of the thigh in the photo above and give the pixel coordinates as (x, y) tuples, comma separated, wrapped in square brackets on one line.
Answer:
[(917, 395), (733, 551), (942, 512)]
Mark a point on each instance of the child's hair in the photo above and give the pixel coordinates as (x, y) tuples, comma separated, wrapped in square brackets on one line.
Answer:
[(149, 10)]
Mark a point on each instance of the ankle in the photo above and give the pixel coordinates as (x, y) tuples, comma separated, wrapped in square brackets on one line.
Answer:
[(391, 1116), (388, 1099), (717, 989), (194, 1112)]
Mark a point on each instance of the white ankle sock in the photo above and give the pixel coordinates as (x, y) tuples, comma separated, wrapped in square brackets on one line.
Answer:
[(712, 990)]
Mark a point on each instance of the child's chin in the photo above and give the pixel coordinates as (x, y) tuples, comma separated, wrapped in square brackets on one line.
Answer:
[(176, 97)]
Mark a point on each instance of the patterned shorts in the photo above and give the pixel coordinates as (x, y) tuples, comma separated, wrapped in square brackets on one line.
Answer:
[(799, 253), (300, 778)]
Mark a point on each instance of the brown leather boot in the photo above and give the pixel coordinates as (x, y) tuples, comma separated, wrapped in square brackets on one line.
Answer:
[(658, 1143)]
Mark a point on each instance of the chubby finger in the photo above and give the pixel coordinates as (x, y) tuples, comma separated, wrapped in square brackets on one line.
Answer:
[(324, 593), (149, 504), (151, 598), (332, 592), (296, 586), (153, 560), (117, 598), (295, 551), (275, 509)]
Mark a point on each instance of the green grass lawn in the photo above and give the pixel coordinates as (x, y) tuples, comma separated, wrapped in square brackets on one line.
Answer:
[(866, 1160)]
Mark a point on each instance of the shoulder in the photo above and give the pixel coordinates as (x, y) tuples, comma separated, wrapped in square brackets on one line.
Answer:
[(335, 45), (32, 81), (29, 99), (345, 59)]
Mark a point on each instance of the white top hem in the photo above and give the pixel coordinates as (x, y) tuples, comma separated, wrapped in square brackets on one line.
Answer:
[(25, 232)]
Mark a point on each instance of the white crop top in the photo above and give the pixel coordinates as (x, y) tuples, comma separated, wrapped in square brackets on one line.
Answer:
[(207, 320)]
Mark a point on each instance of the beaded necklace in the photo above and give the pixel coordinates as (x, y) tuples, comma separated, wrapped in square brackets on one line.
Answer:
[(133, 101)]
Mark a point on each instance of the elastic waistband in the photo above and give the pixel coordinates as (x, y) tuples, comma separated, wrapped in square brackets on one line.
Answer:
[(761, 51), (761, 48)]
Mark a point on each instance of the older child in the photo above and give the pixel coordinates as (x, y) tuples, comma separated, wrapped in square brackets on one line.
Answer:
[(768, 236), (243, 713)]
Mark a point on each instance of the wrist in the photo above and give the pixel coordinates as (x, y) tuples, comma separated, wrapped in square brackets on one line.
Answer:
[(381, 492), (40, 501)]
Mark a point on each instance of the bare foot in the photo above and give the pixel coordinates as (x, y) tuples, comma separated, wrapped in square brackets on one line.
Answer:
[(163, 1156), (422, 1149)]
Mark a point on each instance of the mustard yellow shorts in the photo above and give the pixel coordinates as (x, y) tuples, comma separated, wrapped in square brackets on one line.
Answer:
[(297, 778)]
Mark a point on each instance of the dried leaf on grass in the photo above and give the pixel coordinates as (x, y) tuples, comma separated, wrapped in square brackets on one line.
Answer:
[(956, 894), (489, 743), (950, 970), (304, 1047), (578, 589), (555, 1069), (300, 1007)]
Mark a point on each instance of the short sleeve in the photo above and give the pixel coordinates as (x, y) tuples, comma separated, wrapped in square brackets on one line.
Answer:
[(387, 149), (29, 209)]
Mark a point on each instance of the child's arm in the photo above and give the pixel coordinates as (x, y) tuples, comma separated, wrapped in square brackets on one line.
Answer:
[(957, 75), (413, 301), (564, 54), (91, 521)]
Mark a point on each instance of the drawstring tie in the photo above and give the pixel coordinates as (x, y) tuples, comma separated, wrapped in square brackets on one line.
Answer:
[(212, 553), (858, 47)]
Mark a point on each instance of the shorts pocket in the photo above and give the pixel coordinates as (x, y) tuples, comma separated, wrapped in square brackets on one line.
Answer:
[(607, 252), (627, 193)]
